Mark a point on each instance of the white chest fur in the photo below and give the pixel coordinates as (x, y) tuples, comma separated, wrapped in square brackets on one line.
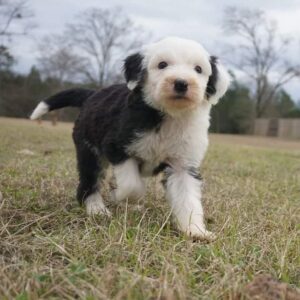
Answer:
[(180, 141)]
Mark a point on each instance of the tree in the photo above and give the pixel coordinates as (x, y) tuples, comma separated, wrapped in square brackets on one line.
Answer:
[(285, 106), (13, 85), (15, 19), (21, 93), (12, 13), (6, 59), (58, 61), (235, 112), (261, 53), (103, 37), (284, 103)]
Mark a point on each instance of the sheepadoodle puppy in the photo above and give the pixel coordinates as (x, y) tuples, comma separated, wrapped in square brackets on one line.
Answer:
[(157, 122)]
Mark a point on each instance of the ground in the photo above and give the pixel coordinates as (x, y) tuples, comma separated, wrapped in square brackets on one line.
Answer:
[(49, 248)]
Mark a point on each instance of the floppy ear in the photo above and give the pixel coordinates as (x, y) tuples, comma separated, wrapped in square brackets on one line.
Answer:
[(133, 67), (218, 81)]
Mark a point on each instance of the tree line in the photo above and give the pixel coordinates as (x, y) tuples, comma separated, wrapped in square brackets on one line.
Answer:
[(89, 53)]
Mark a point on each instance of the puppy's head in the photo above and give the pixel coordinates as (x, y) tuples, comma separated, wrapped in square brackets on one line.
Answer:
[(176, 75)]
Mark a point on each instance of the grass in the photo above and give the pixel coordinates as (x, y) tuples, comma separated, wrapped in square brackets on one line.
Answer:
[(49, 248)]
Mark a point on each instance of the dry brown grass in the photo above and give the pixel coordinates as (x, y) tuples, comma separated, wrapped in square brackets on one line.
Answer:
[(256, 141), (51, 249)]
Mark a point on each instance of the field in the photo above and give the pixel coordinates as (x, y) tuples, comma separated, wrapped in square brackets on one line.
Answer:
[(49, 248)]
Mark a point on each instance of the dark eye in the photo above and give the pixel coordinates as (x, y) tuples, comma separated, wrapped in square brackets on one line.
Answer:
[(198, 69), (162, 65)]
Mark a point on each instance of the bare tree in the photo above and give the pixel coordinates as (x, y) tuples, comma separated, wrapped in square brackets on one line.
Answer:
[(15, 18), (260, 53), (57, 59), (102, 37), (60, 65)]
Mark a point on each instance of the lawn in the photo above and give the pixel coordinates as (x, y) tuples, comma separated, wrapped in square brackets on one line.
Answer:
[(49, 248)]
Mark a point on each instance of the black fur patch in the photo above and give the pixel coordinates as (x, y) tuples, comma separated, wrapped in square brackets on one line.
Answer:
[(213, 78), (108, 122), (72, 97), (160, 168), (133, 67), (195, 173), (112, 117), (89, 169), (168, 172)]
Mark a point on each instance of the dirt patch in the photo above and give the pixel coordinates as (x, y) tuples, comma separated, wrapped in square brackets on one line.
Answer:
[(267, 288)]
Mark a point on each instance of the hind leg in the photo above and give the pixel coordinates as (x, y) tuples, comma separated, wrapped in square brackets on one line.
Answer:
[(91, 171)]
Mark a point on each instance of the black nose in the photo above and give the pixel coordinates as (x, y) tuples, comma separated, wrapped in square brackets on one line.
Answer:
[(180, 86)]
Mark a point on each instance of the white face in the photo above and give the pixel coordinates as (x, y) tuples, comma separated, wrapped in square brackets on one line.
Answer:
[(177, 73)]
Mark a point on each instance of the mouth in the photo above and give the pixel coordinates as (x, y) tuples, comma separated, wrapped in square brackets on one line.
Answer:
[(179, 97), (175, 102)]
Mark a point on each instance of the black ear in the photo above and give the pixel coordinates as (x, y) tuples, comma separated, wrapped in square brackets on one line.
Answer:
[(218, 81), (212, 80), (133, 66)]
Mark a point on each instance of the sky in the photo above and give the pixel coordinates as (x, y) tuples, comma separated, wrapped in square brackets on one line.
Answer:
[(200, 20)]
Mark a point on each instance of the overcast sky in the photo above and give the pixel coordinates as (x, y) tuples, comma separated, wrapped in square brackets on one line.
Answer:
[(196, 19)]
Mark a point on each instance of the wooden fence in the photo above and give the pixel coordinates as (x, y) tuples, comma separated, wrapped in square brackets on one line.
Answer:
[(283, 128)]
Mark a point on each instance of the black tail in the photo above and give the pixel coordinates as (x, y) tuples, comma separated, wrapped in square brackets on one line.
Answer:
[(72, 97)]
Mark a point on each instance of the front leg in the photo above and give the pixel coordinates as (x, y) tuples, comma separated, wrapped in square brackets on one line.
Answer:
[(183, 191)]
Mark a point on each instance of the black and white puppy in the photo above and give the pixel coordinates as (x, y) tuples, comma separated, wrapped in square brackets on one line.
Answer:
[(158, 122)]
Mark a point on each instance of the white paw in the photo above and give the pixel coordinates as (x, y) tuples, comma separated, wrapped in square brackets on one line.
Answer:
[(200, 233), (95, 206)]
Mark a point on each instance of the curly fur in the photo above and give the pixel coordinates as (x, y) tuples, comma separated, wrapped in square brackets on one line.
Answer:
[(148, 126)]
